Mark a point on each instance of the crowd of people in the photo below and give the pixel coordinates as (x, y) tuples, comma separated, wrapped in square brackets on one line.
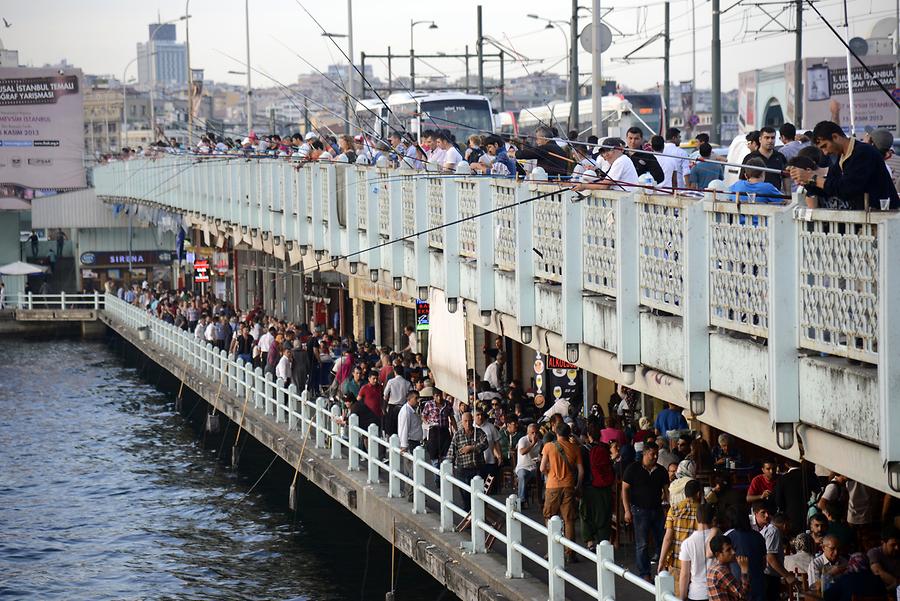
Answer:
[(838, 172), (727, 526)]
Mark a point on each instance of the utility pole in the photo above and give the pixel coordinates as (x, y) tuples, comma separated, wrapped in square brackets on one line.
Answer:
[(798, 67), (897, 73), (573, 66), (716, 136), (849, 75), (351, 75), (666, 42), (190, 77), (597, 73), (467, 67), (249, 88), (480, 50), (502, 84)]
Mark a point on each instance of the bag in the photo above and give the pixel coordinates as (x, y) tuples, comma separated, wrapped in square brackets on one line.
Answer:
[(565, 457)]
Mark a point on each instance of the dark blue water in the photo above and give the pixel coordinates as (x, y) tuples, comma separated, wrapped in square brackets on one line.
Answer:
[(107, 493)]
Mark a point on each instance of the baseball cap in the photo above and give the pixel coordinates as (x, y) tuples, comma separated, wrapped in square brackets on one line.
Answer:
[(882, 139), (310, 135)]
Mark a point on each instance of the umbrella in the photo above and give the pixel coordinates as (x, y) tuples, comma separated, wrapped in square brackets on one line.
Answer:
[(20, 268)]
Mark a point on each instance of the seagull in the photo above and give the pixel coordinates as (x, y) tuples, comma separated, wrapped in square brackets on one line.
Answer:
[(6, 23)]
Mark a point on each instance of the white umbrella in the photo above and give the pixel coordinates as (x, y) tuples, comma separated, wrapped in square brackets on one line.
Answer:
[(20, 268)]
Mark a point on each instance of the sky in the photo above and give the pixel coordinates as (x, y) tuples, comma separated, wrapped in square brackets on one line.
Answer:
[(100, 36)]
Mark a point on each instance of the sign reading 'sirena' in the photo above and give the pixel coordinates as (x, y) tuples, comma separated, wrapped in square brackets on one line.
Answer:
[(41, 128)]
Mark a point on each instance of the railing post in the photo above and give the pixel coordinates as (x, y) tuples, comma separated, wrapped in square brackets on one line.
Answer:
[(62, 300), (446, 496), (889, 342), (96, 300), (628, 297), (334, 430), (784, 320), (372, 455), (320, 423), (269, 398), (418, 479), (606, 580), (353, 437), (394, 465), (695, 302), (572, 269), (513, 537), (556, 560), (292, 407), (665, 585), (279, 400), (30, 301), (476, 486), (260, 388)]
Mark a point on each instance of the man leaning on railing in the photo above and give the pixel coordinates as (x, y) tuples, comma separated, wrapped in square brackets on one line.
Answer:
[(857, 178)]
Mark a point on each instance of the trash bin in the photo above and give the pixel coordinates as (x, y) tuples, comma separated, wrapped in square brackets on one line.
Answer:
[(144, 332)]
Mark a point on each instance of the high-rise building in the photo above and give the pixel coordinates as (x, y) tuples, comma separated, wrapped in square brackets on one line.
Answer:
[(162, 59)]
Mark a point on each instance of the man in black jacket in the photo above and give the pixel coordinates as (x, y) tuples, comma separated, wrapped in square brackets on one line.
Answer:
[(550, 157), (643, 162), (857, 169)]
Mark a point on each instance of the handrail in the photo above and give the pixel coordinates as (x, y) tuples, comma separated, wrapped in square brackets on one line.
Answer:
[(314, 419), (61, 300)]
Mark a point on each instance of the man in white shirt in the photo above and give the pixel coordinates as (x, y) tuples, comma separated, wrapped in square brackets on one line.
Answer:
[(692, 554), (200, 330), (395, 392), (451, 155), (528, 456), (264, 343), (619, 168), (492, 454), (493, 375), (210, 332), (409, 423), (673, 147), (283, 369), (413, 342)]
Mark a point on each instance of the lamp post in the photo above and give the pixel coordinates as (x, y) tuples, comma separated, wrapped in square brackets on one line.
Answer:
[(184, 17), (558, 24), (249, 88), (412, 52), (190, 75)]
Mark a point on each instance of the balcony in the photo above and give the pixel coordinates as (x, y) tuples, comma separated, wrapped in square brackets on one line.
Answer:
[(767, 321)]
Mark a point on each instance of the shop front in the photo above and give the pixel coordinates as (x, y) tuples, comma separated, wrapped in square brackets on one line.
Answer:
[(128, 267)]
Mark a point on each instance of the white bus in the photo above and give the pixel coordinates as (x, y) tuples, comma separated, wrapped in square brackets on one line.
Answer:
[(619, 112), (461, 114)]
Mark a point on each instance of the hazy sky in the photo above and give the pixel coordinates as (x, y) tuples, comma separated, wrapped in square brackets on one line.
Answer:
[(99, 36)]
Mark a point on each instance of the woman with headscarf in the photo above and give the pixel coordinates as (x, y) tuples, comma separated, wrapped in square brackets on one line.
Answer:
[(804, 547), (684, 474)]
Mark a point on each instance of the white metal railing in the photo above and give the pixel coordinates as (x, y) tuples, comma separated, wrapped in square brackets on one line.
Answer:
[(399, 470), (61, 300)]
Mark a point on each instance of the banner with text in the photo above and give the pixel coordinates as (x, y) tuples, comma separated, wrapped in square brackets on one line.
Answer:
[(41, 128)]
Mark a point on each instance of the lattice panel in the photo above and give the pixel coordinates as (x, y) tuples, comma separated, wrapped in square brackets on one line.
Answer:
[(309, 194), (435, 189), (504, 194), (362, 197), (468, 205), (661, 259), (408, 202), (838, 289), (548, 237), (738, 280), (600, 245)]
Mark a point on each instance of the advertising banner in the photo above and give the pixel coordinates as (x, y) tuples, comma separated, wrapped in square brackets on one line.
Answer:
[(827, 95), (41, 128)]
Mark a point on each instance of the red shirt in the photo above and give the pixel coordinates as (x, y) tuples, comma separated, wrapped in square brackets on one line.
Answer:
[(759, 485), (384, 373), (372, 396), (601, 467)]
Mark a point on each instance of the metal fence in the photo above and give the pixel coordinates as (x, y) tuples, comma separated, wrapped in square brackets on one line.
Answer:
[(62, 300), (363, 449)]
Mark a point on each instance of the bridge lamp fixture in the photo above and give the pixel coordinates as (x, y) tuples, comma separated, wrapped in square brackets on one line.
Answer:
[(628, 372), (452, 304), (303, 250), (335, 262), (572, 352), (319, 254), (423, 292), (289, 244), (398, 283), (525, 334), (373, 275), (697, 402), (894, 475), (486, 317), (784, 435), (354, 267)]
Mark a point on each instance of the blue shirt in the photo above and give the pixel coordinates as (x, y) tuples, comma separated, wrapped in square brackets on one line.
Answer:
[(503, 158), (752, 545), (669, 419), (765, 192), (703, 173)]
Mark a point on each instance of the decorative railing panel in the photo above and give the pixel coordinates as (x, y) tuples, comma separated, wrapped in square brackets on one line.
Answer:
[(435, 188), (600, 244), (503, 193), (661, 259), (408, 204), (839, 286), (468, 206)]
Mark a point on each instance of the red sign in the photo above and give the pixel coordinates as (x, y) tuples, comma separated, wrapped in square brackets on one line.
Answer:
[(201, 270), (554, 363)]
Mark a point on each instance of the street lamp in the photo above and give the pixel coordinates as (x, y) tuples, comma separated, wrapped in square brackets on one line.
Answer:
[(124, 130), (412, 64), (249, 88), (558, 24)]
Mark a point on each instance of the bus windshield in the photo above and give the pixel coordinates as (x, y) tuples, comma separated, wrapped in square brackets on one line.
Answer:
[(462, 118)]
